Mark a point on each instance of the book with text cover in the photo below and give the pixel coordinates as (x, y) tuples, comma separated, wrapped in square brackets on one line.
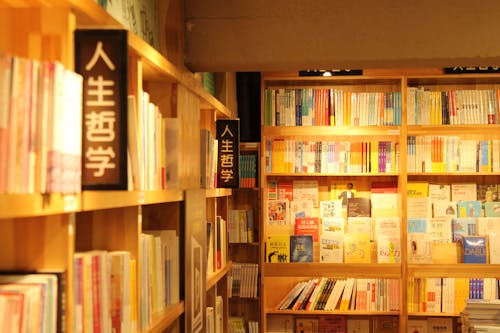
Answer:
[(359, 207), (490, 226), (388, 237), (357, 248), (475, 249), (418, 207), (307, 226), (331, 247), (301, 208), (439, 192), (384, 199), (333, 324), (278, 248), (417, 189), (285, 190), (301, 248), (335, 224), (419, 241), (463, 191), (385, 324), (330, 208), (444, 209), (359, 225), (440, 227), (306, 190)]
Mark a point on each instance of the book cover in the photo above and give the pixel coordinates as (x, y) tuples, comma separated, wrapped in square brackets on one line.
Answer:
[(278, 248), (333, 324), (301, 248), (385, 324), (439, 325), (357, 248), (335, 224), (463, 226), (384, 199), (475, 249), (358, 325), (388, 248), (331, 247), (492, 209), (417, 189), (419, 241), (307, 226), (490, 226), (280, 324), (418, 207), (272, 190), (343, 191), (439, 192), (444, 209), (285, 190), (417, 326), (469, 208), (330, 208), (306, 325), (301, 208), (278, 212), (359, 225), (359, 207), (306, 190), (440, 227), (463, 191)]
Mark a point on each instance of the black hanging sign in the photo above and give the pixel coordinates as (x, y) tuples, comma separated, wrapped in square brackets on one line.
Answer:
[(228, 153), (331, 72), (101, 58)]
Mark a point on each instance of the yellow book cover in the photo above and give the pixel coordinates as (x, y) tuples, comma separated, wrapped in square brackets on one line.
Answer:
[(417, 189), (278, 248), (357, 248)]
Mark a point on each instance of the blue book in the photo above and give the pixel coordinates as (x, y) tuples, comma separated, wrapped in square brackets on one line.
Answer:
[(301, 248), (463, 226), (469, 208), (475, 249)]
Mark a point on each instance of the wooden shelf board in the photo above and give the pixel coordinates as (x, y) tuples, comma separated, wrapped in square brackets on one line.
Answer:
[(454, 270), (161, 321), (350, 174), (433, 314), (28, 205), (334, 312), (332, 81), (456, 173), (212, 279), (218, 192), (390, 132), (453, 129), (333, 270), (93, 200)]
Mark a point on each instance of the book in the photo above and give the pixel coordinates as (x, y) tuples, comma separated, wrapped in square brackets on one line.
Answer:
[(335, 224), (172, 171), (330, 208), (417, 326), (444, 209), (490, 226), (492, 209), (358, 325), (469, 208), (301, 248), (278, 248), (280, 324), (301, 208), (475, 249), (285, 190), (439, 192), (440, 227), (439, 325), (307, 226), (306, 325), (359, 207), (360, 225), (342, 191), (332, 324), (278, 212), (357, 248), (418, 207), (419, 241), (331, 247), (417, 189), (463, 191), (463, 226), (306, 190), (385, 324)]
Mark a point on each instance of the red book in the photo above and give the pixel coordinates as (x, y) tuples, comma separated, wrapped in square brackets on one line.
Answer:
[(307, 226)]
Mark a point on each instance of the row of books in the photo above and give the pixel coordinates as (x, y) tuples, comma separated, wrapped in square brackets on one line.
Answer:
[(40, 127), (451, 154), (208, 162), (481, 316), (31, 302), (241, 226), (151, 140), (244, 280), (248, 170), (215, 316), (217, 244), (455, 107), (104, 291), (237, 325), (330, 107), (342, 324), (159, 273), (449, 294), (343, 294), (294, 156)]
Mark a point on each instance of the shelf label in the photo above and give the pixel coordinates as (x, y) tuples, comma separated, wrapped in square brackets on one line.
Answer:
[(101, 58), (228, 154)]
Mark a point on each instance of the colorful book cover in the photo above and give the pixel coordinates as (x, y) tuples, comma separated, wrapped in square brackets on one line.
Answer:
[(492, 209), (301, 248), (278, 212), (307, 226), (469, 208), (278, 248), (475, 249), (331, 247), (330, 208), (343, 191), (463, 226), (333, 224), (357, 248), (272, 190), (417, 189), (285, 190), (359, 207), (389, 248)]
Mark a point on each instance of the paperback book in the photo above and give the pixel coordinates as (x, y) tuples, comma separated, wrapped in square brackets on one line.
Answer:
[(475, 249), (331, 247), (301, 248), (278, 248)]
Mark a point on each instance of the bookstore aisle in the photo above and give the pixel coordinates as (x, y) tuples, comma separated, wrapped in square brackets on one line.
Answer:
[(125, 253), (379, 196)]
